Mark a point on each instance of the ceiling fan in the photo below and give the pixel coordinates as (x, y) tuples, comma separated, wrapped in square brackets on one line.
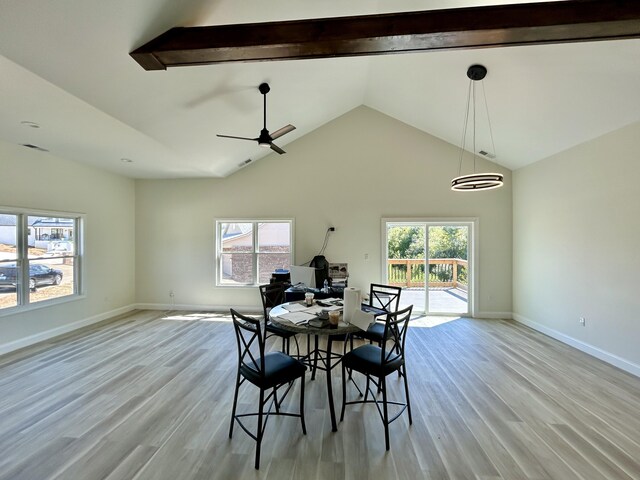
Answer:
[(265, 139)]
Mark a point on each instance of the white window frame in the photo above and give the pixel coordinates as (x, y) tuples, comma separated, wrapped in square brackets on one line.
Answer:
[(255, 222), (473, 223), (22, 261)]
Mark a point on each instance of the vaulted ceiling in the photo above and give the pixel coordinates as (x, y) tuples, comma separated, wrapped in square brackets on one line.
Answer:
[(66, 67)]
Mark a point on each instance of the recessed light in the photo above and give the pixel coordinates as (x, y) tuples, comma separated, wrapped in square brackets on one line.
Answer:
[(126, 160), (30, 124)]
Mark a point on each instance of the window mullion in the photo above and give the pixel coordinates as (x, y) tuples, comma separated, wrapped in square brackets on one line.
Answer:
[(22, 244), (77, 262), (219, 226), (291, 233), (255, 253)]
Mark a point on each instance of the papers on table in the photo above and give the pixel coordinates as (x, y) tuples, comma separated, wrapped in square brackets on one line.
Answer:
[(301, 307), (361, 319), (299, 313), (328, 304), (294, 307), (297, 317), (331, 300), (315, 309)]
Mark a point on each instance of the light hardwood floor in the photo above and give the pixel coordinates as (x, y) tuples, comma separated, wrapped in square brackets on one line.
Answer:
[(148, 396)]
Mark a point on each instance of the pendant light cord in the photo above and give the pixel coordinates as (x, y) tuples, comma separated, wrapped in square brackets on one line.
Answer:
[(474, 125), (471, 99), (486, 106), (464, 129)]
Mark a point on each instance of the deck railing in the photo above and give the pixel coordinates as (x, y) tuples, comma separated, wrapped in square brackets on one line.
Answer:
[(443, 272)]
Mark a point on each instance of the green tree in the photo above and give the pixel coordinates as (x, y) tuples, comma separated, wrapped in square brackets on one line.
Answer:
[(444, 242), (406, 242), (448, 242)]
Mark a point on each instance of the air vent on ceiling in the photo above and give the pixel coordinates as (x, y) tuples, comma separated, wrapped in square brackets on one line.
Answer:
[(487, 154), (34, 147), (246, 162)]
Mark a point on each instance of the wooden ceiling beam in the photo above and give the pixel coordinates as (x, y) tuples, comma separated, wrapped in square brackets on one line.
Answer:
[(474, 27)]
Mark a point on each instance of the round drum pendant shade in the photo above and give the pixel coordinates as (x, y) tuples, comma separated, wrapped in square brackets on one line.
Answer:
[(477, 181)]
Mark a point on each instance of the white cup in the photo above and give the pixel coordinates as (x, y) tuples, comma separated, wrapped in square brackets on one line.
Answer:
[(308, 298)]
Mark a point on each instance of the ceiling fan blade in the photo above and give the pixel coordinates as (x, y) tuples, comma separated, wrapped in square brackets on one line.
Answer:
[(282, 131), (238, 138), (277, 149)]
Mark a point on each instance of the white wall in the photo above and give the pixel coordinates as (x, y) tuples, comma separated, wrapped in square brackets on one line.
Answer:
[(576, 239), (36, 180), (348, 174)]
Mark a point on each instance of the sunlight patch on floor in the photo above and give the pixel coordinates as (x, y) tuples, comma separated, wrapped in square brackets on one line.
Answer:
[(432, 321), (176, 316), (198, 317)]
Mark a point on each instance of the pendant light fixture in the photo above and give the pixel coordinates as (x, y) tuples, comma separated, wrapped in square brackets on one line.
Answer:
[(475, 181)]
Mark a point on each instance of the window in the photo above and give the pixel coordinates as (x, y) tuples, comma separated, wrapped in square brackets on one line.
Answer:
[(249, 251), (39, 258)]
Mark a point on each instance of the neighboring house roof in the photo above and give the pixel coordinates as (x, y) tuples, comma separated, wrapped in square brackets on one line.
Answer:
[(270, 235), (233, 229), (234, 238), (52, 222), (10, 221)]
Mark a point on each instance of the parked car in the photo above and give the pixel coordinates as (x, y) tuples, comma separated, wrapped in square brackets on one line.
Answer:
[(38, 275)]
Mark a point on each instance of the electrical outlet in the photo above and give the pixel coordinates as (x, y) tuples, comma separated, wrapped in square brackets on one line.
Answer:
[(582, 321), (366, 257), (171, 294)]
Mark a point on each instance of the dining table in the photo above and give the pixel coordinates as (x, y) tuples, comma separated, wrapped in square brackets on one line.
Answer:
[(317, 358)]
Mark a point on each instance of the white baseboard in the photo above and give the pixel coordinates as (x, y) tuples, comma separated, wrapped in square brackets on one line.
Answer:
[(54, 332), (498, 315), (614, 360), (196, 308)]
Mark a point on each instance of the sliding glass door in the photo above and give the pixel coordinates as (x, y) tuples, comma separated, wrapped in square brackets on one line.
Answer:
[(432, 261), (406, 262), (448, 285)]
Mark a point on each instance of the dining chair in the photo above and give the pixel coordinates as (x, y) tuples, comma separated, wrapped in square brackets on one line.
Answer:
[(272, 294), (376, 363), (268, 372), (386, 297)]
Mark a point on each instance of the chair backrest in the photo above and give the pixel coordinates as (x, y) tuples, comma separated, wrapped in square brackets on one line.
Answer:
[(386, 297), (250, 339), (395, 331), (272, 294)]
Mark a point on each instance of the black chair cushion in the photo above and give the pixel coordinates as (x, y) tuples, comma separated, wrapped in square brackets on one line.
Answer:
[(279, 331), (279, 368), (375, 332), (367, 360)]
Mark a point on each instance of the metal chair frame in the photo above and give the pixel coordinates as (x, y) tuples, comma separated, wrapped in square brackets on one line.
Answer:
[(272, 294), (391, 351), (249, 335)]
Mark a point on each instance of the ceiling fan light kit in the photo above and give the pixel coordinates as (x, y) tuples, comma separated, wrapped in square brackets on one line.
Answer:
[(475, 181), (265, 139)]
